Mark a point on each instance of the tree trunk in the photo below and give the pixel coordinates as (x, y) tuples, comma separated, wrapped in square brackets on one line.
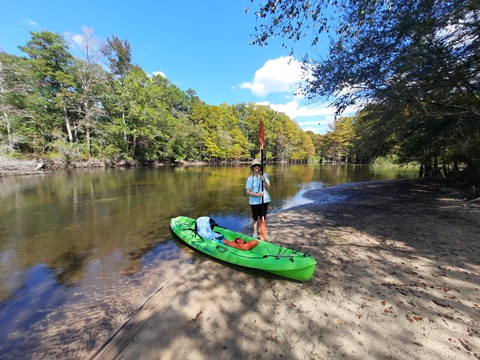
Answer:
[(88, 143), (67, 124)]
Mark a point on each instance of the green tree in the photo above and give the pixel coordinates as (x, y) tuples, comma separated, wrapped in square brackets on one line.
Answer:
[(50, 64), (119, 56), (316, 141), (339, 140), (186, 141), (420, 57), (55, 103), (119, 60), (13, 97), (91, 82), (148, 121)]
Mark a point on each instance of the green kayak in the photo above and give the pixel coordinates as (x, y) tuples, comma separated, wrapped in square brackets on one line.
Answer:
[(244, 250)]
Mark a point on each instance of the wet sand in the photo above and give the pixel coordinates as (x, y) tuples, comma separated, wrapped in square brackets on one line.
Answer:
[(398, 277)]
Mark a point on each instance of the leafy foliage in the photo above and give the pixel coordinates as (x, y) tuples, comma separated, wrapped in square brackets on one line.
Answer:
[(411, 68), (58, 105)]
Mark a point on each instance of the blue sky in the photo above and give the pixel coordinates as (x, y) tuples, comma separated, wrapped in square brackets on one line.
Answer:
[(202, 45)]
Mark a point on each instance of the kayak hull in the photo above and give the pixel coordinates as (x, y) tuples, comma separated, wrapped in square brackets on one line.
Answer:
[(265, 256)]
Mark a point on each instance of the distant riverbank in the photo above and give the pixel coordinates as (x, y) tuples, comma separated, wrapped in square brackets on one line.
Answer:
[(9, 166)]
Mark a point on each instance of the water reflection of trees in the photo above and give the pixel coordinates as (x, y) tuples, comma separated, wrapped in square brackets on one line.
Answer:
[(68, 220)]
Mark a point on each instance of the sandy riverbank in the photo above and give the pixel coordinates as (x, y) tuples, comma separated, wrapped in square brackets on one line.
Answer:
[(398, 277)]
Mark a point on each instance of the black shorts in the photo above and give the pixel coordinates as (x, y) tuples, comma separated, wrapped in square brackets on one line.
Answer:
[(259, 210)]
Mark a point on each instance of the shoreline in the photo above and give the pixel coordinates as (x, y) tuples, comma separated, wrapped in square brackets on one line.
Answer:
[(17, 167), (397, 277)]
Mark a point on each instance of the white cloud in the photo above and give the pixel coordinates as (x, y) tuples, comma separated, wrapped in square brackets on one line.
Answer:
[(312, 129), (314, 117), (30, 22), (78, 39), (294, 110), (279, 75), (285, 75), (161, 73)]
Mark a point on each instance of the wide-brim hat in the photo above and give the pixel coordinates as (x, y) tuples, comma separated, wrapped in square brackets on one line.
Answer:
[(256, 162)]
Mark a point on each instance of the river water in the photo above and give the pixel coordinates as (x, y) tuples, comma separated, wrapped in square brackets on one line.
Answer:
[(81, 251)]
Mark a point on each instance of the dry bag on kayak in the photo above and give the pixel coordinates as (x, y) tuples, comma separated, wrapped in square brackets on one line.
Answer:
[(204, 227), (241, 244)]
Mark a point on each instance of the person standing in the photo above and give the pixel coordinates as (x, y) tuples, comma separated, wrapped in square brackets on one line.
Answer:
[(256, 193)]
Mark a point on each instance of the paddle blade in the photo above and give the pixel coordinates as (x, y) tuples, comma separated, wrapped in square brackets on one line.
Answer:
[(261, 134), (263, 229)]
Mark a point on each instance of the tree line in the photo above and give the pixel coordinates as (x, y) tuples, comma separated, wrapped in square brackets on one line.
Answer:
[(101, 106), (410, 69)]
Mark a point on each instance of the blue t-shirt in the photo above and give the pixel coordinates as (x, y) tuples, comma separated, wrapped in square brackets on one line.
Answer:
[(255, 185)]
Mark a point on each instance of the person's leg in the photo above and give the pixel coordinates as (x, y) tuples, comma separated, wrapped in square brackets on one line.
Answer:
[(257, 226), (262, 216), (264, 210), (256, 213)]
